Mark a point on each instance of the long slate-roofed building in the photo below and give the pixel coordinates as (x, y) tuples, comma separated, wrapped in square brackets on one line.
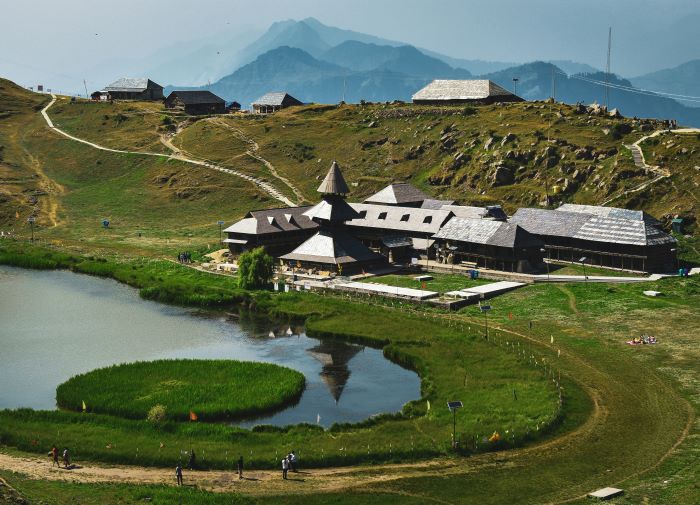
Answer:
[(139, 88), (488, 243), (272, 102), (396, 225), (605, 236), (449, 92), (196, 102)]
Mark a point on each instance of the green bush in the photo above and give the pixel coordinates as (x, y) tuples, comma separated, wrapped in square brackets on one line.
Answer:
[(255, 269)]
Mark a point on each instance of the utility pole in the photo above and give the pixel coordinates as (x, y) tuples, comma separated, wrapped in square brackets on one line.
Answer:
[(343, 89), (554, 86), (86, 91), (607, 67)]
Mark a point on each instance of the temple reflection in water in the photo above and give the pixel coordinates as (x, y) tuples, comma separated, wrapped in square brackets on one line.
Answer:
[(334, 355)]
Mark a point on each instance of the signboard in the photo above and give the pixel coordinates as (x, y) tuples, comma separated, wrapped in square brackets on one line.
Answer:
[(221, 223), (454, 405), (414, 261), (484, 308)]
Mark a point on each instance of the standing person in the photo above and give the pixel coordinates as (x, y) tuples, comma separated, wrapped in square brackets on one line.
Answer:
[(240, 467), (66, 457), (293, 461), (178, 474), (285, 467), (193, 460), (54, 457)]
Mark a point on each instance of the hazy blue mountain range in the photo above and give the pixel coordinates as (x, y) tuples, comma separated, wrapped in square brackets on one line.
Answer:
[(367, 71), (683, 80)]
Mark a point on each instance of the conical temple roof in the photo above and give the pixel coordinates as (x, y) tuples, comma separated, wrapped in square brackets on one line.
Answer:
[(334, 183)]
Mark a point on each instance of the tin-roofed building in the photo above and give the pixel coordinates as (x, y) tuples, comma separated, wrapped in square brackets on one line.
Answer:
[(494, 244), (139, 88), (196, 102), (605, 236), (447, 92), (272, 102)]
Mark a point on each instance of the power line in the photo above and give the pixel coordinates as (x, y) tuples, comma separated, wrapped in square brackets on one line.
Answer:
[(639, 91)]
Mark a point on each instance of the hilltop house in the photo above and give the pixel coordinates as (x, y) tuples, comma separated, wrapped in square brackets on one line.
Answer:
[(272, 102), (135, 89), (450, 92), (196, 103)]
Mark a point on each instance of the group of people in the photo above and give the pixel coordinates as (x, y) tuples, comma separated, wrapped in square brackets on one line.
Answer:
[(54, 455), (289, 462), (644, 339), (184, 257), (191, 465)]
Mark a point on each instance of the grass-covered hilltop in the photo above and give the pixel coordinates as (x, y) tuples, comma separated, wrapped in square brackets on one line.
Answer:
[(574, 406)]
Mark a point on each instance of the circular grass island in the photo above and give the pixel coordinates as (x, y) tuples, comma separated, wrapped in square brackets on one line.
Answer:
[(214, 390)]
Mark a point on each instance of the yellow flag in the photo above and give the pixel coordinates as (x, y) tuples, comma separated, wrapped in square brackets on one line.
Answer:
[(428, 404), (551, 339), (84, 406)]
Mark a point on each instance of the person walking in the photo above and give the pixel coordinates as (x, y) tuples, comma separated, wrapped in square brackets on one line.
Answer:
[(54, 457), (285, 467), (193, 460), (66, 457), (240, 467), (178, 474)]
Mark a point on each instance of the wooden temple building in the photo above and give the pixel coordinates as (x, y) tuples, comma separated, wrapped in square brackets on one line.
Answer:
[(400, 224)]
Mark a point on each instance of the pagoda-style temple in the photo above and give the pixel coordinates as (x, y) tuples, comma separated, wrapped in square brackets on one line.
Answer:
[(332, 248)]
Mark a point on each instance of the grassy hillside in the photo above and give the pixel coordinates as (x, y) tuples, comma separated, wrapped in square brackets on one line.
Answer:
[(514, 154), (152, 203)]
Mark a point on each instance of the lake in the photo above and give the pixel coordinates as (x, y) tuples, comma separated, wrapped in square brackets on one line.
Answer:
[(56, 324)]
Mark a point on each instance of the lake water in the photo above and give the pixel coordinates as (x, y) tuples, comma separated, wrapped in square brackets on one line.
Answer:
[(55, 324)]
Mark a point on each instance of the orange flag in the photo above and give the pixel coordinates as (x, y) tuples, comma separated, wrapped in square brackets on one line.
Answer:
[(193, 416)]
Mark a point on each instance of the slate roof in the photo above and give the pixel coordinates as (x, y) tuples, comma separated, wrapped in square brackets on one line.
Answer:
[(469, 89), (332, 247), (406, 219), (466, 211), (591, 227), (487, 232), (399, 193), (275, 98), (431, 203), (333, 209), (196, 97), (133, 84), (334, 182), (614, 212), (261, 222)]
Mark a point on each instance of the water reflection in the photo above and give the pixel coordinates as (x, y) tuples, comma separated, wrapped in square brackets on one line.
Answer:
[(54, 325)]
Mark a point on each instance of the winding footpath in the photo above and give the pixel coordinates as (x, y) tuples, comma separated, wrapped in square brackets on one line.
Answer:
[(640, 162), (263, 185)]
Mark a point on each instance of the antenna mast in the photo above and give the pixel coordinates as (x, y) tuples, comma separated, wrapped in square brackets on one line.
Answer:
[(607, 67)]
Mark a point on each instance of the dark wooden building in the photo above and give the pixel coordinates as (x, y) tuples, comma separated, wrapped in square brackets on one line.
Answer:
[(279, 230), (489, 243), (272, 102), (455, 92), (141, 88), (605, 236), (196, 103)]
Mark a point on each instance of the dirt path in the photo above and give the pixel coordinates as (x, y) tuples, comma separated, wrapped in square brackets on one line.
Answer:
[(640, 162), (253, 152), (572, 298), (263, 185)]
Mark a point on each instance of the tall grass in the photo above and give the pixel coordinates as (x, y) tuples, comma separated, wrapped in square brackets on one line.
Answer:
[(213, 389)]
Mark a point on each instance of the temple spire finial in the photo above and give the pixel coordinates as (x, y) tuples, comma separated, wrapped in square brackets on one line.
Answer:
[(334, 183)]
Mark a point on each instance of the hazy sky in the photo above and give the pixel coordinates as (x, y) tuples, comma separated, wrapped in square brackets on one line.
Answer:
[(45, 39)]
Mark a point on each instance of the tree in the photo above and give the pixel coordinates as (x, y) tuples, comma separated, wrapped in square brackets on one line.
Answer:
[(255, 269)]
